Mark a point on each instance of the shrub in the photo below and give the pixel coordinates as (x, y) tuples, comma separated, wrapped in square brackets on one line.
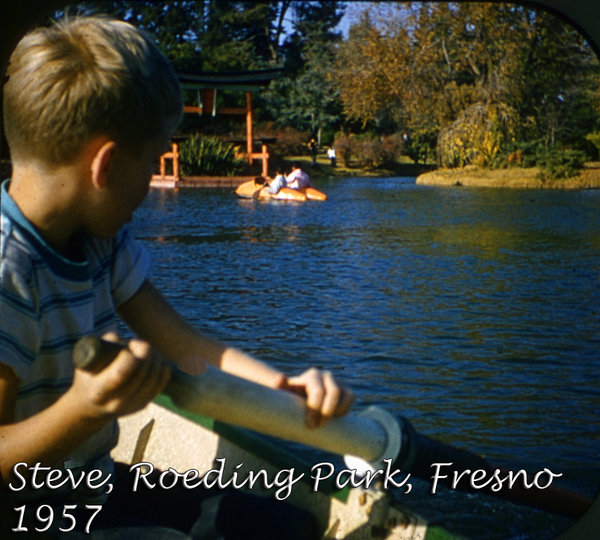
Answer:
[(290, 141), (378, 152), (345, 148), (368, 151), (556, 163), (553, 162), (587, 146), (521, 154), (419, 145), (477, 136), (594, 138), (209, 156)]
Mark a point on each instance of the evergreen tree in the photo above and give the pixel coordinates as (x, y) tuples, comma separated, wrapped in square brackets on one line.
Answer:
[(306, 98), (238, 35), (175, 25), (562, 76)]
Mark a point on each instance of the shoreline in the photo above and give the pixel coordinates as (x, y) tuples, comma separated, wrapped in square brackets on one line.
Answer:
[(471, 176), (323, 169)]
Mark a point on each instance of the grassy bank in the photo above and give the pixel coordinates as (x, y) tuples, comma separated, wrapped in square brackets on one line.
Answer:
[(588, 178), (529, 178), (323, 168)]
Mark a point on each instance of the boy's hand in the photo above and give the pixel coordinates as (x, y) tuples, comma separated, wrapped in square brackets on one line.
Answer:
[(126, 385), (325, 397)]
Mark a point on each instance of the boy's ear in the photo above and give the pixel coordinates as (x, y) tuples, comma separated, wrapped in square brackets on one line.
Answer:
[(101, 162)]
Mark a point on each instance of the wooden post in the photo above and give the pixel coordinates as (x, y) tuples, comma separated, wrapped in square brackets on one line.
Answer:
[(208, 101), (265, 160), (175, 150), (163, 167), (174, 156), (249, 134)]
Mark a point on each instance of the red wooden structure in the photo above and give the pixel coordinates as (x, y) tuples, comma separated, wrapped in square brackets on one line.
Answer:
[(207, 84)]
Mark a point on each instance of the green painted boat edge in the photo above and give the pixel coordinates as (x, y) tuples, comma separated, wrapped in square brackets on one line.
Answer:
[(260, 446), (437, 532)]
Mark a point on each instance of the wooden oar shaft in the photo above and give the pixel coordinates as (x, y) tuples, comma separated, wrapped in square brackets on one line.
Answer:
[(239, 402), (242, 403)]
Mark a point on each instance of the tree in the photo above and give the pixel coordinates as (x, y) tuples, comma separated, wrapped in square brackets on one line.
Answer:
[(313, 24), (235, 35), (173, 24), (306, 98), (563, 74), (309, 101), (366, 85), (494, 67), (238, 35), (206, 35)]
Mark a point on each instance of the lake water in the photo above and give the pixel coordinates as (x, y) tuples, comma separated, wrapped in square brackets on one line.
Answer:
[(472, 312)]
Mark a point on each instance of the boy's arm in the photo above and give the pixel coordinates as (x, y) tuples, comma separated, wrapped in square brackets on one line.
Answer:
[(125, 386), (152, 318)]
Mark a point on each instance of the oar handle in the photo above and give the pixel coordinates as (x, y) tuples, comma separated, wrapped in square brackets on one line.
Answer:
[(94, 354)]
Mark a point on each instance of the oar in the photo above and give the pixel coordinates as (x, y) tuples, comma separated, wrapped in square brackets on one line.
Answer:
[(372, 435), (240, 402)]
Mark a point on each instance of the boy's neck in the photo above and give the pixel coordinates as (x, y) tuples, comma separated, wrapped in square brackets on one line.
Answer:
[(47, 199)]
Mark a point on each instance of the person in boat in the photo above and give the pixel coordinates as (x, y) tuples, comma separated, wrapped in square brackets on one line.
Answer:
[(263, 188), (298, 179), (70, 267), (260, 183), (272, 187), (278, 183)]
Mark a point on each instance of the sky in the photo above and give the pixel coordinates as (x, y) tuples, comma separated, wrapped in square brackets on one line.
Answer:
[(351, 15), (353, 10)]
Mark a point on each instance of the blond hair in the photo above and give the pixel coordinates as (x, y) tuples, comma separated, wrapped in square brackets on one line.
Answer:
[(81, 78)]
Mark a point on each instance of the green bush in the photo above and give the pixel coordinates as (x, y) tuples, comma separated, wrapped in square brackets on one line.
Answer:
[(209, 156), (420, 145), (586, 145), (520, 154), (594, 138), (557, 163)]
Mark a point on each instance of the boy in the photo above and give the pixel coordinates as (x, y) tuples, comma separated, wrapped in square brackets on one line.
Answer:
[(277, 184), (298, 179), (89, 106)]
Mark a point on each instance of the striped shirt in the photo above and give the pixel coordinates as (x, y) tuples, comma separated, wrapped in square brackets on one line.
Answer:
[(47, 302)]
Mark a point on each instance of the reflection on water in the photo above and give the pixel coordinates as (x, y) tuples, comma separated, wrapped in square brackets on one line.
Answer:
[(473, 312)]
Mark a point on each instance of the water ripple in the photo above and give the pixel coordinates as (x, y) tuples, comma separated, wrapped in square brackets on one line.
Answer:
[(472, 312)]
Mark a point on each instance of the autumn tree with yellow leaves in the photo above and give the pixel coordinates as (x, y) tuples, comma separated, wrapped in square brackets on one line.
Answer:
[(483, 77)]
